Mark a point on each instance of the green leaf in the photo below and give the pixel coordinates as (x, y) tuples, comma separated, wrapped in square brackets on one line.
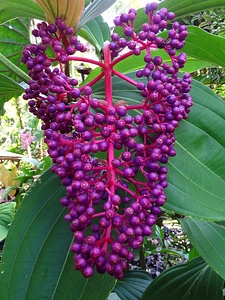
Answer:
[(209, 52), (114, 296), (14, 69), (20, 8), (196, 174), (67, 10), (7, 211), (191, 281), (209, 240), (14, 35), (184, 8), (96, 32), (132, 285), (181, 9), (9, 88), (37, 262), (211, 48), (93, 10)]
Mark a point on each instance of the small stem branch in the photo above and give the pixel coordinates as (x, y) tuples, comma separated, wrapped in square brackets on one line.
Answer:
[(87, 60), (92, 82), (108, 74), (124, 77), (131, 107)]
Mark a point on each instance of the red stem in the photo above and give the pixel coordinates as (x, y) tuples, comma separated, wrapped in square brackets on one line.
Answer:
[(124, 77), (108, 98), (92, 82), (88, 60)]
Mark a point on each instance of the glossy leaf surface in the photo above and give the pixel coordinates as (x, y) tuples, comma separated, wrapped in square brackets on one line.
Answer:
[(209, 240), (19, 8), (14, 35), (211, 48), (68, 10), (193, 280), (184, 8), (37, 251), (96, 32), (132, 285), (93, 10), (181, 9)]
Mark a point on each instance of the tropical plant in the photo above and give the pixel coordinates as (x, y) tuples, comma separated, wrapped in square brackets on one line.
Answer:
[(37, 261)]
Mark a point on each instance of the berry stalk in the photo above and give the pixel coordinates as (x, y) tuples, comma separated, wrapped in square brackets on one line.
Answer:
[(110, 156)]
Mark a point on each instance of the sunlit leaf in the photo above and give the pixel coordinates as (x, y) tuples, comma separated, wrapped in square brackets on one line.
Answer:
[(96, 32), (181, 9), (93, 10), (68, 10), (184, 8), (19, 8), (211, 48)]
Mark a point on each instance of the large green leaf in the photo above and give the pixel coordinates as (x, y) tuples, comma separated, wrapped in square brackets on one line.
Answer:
[(36, 261), (7, 211), (181, 9), (96, 32), (184, 8), (19, 8), (93, 10), (132, 285), (14, 35), (210, 49), (9, 87), (209, 240), (197, 173), (193, 280), (17, 72)]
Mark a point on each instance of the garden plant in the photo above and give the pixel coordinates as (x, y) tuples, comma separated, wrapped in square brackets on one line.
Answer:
[(137, 139)]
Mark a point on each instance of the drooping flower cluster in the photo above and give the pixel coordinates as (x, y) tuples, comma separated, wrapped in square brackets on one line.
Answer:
[(111, 161)]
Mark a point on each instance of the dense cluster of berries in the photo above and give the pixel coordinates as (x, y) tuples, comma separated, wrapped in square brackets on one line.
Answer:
[(111, 162)]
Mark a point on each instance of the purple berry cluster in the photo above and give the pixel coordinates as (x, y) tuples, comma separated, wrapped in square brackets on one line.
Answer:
[(111, 162)]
